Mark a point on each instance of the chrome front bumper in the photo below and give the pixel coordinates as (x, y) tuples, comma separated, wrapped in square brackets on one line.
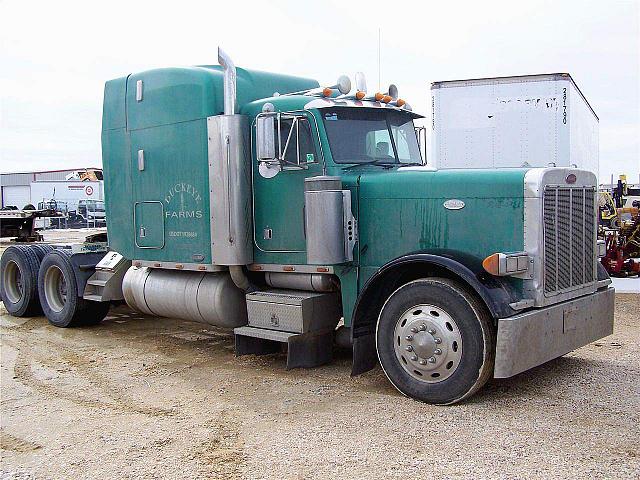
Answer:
[(535, 337)]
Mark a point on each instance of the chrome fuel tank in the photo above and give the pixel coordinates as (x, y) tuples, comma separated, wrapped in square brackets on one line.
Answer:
[(203, 297)]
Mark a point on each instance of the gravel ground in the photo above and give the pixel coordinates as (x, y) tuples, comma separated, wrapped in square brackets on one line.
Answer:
[(139, 397)]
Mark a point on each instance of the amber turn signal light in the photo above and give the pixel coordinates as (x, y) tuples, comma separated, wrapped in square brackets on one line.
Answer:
[(327, 92), (360, 95), (514, 263), (378, 96), (492, 264)]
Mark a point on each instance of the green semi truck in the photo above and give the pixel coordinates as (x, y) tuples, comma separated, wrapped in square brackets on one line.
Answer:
[(301, 216)]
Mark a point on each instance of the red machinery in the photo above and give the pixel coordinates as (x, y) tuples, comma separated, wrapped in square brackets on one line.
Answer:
[(623, 250)]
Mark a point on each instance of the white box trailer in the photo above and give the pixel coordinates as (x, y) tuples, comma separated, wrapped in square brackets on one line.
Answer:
[(533, 120)]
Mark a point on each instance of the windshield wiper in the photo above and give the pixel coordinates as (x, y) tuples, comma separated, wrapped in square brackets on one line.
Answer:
[(371, 162)]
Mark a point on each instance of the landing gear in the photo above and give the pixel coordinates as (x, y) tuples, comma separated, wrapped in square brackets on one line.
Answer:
[(435, 341)]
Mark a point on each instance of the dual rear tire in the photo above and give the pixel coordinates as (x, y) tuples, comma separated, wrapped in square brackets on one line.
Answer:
[(58, 292), (37, 279), (19, 279)]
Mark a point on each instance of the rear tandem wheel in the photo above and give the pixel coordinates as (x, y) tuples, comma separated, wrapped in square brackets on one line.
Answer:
[(19, 281), (59, 297)]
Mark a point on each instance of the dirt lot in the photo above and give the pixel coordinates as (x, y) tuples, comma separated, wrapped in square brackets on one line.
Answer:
[(139, 397)]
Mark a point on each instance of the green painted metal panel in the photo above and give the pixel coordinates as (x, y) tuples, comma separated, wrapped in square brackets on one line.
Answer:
[(169, 125), (175, 174), (398, 212), (113, 111), (172, 95), (149, 224), (403, 212), (117, 183)]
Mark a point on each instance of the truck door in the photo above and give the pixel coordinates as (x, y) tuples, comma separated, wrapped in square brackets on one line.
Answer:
[(279, 185)]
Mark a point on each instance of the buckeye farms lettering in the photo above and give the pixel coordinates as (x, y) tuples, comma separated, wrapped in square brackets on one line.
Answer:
[(183, 201)]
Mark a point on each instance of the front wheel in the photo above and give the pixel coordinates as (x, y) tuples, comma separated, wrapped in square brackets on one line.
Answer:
[(435, 341)]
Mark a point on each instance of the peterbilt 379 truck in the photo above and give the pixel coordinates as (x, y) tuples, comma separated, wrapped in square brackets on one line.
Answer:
[(297, 215)]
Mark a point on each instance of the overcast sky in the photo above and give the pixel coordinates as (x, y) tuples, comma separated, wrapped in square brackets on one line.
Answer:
[(56, 55)]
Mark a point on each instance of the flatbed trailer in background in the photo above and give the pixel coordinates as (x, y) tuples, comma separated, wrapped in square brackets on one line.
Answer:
[(21, 223)]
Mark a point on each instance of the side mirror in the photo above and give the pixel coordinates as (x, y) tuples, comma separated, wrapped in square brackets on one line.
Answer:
[(265, 137)]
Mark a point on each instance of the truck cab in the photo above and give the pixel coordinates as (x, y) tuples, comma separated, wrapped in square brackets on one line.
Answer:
[(298, 215)]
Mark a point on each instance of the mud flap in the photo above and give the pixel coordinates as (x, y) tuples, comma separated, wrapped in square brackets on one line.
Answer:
[(365, 357)]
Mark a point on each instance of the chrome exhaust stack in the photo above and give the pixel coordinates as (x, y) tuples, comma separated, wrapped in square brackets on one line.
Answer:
[(229, 82)]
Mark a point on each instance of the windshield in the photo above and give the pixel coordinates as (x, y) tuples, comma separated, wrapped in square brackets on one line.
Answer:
[(371, 135), (93, 205)]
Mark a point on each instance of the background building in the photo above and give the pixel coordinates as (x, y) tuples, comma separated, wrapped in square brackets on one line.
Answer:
[(16, 188)]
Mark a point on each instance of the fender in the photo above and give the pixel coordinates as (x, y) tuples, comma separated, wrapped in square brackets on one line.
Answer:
[(496, 293), (84, 265)]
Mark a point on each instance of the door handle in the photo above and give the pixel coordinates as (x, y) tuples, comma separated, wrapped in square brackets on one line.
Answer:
[(140, 160)]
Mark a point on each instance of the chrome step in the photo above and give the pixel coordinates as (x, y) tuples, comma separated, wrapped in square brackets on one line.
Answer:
[(304, 350)]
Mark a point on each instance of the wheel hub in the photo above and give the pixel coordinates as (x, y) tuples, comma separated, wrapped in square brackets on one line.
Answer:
[(55, 288), (12, 279), (428, 343)]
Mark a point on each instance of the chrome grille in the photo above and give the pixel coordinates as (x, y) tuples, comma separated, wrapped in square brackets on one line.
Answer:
[(569, 238)]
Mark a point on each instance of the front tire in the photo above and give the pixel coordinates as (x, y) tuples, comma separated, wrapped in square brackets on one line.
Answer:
[(435, 341)]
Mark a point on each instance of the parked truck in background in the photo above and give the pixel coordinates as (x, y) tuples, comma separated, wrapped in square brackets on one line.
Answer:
[(270, 205)]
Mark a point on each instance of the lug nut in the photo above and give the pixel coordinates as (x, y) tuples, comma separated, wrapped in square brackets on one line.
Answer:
[(437, 351), (432, 359), (432, 331), (409, 348), (437, 340), (414, 358), (423, 327), (414, 329), (422, 361), (408, 338)]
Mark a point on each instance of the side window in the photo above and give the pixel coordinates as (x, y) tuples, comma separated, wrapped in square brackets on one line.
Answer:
[(294, 139), (402, 145), (378, 145)]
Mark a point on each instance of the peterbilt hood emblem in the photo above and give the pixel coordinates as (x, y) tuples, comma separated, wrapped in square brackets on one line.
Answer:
[(453, 204)]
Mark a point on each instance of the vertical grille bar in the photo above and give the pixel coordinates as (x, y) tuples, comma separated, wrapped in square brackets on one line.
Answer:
[(569, 237)]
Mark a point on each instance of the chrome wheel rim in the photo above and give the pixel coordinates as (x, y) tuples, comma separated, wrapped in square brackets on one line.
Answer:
[(12, 280), (55, 288), (427, 343)]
